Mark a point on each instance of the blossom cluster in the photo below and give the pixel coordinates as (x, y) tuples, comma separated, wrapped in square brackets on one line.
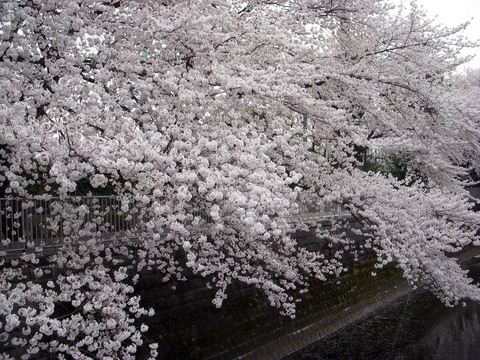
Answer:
[(83, 307)]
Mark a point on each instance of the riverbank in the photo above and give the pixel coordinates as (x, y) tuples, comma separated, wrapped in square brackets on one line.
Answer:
[(414, 326), (188, 326), (332, 318), (388, 298)]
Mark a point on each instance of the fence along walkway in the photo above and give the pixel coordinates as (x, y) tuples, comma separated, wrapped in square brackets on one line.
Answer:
[(41, 223)]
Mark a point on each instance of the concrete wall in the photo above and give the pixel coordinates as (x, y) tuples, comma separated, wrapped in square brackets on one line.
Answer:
[(474, 191), (188, 326)]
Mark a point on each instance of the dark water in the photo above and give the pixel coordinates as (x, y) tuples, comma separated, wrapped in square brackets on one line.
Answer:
[(416, 326)]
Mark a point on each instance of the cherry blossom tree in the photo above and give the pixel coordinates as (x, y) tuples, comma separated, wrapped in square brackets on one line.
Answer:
[(232, 111)]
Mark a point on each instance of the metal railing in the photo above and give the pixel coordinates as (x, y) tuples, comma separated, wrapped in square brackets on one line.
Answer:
[(38, 223), (26, 223), (314, 211)]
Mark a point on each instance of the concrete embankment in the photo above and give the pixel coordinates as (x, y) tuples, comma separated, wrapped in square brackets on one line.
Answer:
[(188, 326), (388, 292)]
